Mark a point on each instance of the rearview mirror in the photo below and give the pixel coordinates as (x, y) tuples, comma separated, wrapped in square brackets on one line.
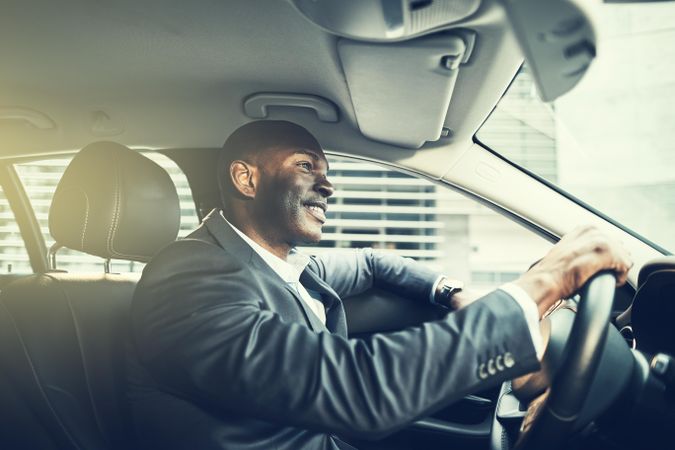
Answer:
[(557, 39)]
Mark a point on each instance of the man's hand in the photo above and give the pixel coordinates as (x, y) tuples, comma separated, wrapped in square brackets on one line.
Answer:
[(578, 256)]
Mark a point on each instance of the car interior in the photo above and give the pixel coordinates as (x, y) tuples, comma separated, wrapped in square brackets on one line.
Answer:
[(405, 84)]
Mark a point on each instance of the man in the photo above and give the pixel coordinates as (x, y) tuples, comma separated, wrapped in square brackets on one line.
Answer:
[(242, 342)]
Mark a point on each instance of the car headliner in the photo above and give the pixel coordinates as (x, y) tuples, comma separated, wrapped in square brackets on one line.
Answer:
[(174, 74)]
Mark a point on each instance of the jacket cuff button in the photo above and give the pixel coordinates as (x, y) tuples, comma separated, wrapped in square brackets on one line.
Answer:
[(491, 367), (508, 360), (499, 362), (482, 373)]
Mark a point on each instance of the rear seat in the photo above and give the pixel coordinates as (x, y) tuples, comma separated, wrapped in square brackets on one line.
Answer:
[(63, 335)]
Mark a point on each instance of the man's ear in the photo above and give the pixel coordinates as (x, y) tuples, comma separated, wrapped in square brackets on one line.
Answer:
[(244, 178)]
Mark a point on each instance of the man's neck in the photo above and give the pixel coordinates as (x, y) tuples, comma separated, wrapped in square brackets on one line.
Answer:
[(253, 232)]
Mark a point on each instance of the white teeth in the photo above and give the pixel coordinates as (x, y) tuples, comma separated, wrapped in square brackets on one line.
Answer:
[(317, 210)]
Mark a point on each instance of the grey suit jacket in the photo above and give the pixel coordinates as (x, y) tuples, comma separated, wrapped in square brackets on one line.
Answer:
[(225, 355)]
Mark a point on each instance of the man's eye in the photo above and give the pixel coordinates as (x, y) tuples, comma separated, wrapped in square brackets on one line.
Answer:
[(306, 165)]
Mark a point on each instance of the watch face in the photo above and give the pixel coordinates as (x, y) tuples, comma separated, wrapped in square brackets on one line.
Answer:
[(453, 285), (447, 289)]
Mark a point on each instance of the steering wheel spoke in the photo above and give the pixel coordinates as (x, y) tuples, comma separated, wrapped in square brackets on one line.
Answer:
[(510, 411)]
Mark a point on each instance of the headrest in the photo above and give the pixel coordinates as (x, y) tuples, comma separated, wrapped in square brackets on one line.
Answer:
[(113, 202)]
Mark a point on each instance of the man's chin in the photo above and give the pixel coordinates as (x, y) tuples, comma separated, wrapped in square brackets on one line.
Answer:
[(313, 240), (310, 238)]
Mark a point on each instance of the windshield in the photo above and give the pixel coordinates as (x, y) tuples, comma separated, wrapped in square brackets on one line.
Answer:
[(611, 141)]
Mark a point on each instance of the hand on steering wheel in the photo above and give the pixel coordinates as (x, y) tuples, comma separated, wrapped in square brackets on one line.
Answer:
[(574, 336), (583, 257), (550, 419)]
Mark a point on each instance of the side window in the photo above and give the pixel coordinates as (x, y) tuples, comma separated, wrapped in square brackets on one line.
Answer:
[(377, 207), (13, 254), (40, 179)]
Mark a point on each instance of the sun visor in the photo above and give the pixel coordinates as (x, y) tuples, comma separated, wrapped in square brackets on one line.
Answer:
[(401, 91)]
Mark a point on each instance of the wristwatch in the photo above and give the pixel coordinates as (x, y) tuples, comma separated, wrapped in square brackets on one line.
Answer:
[(446, 290)]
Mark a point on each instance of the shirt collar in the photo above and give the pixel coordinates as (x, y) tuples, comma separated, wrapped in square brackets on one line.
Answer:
[(289, 271)]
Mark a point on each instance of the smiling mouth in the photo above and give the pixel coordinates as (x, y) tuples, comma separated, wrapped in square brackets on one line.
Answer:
[(317, 210)]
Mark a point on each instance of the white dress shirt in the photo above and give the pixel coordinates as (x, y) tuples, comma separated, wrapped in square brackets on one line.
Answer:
[(530, 311)]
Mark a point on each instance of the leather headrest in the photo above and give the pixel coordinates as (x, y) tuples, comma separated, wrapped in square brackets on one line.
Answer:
[(113, 202)]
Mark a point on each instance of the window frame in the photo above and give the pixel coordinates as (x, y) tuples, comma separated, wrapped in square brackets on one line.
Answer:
[(24, 215)]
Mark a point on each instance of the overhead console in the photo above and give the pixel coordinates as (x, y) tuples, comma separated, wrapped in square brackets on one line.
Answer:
[(384, 20)]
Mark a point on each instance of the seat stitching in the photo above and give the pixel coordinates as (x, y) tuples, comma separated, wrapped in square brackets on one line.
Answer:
[(86, 217), (35, 375), (84, 367), (115, 211)]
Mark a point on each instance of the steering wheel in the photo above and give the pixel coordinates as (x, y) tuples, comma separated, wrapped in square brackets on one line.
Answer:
[(569, 365)]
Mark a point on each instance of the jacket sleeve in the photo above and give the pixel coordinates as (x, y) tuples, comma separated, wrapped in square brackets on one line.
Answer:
[(202, 331), (354, 271)]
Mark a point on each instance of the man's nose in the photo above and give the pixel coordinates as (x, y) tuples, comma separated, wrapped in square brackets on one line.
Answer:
[(324, 187)]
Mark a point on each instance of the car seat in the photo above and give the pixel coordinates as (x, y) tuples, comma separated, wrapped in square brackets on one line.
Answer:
[(63, 335)]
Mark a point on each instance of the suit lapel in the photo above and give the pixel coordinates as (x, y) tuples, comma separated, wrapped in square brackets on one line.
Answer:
[(314, 322), (336, 321), (228, 239)]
